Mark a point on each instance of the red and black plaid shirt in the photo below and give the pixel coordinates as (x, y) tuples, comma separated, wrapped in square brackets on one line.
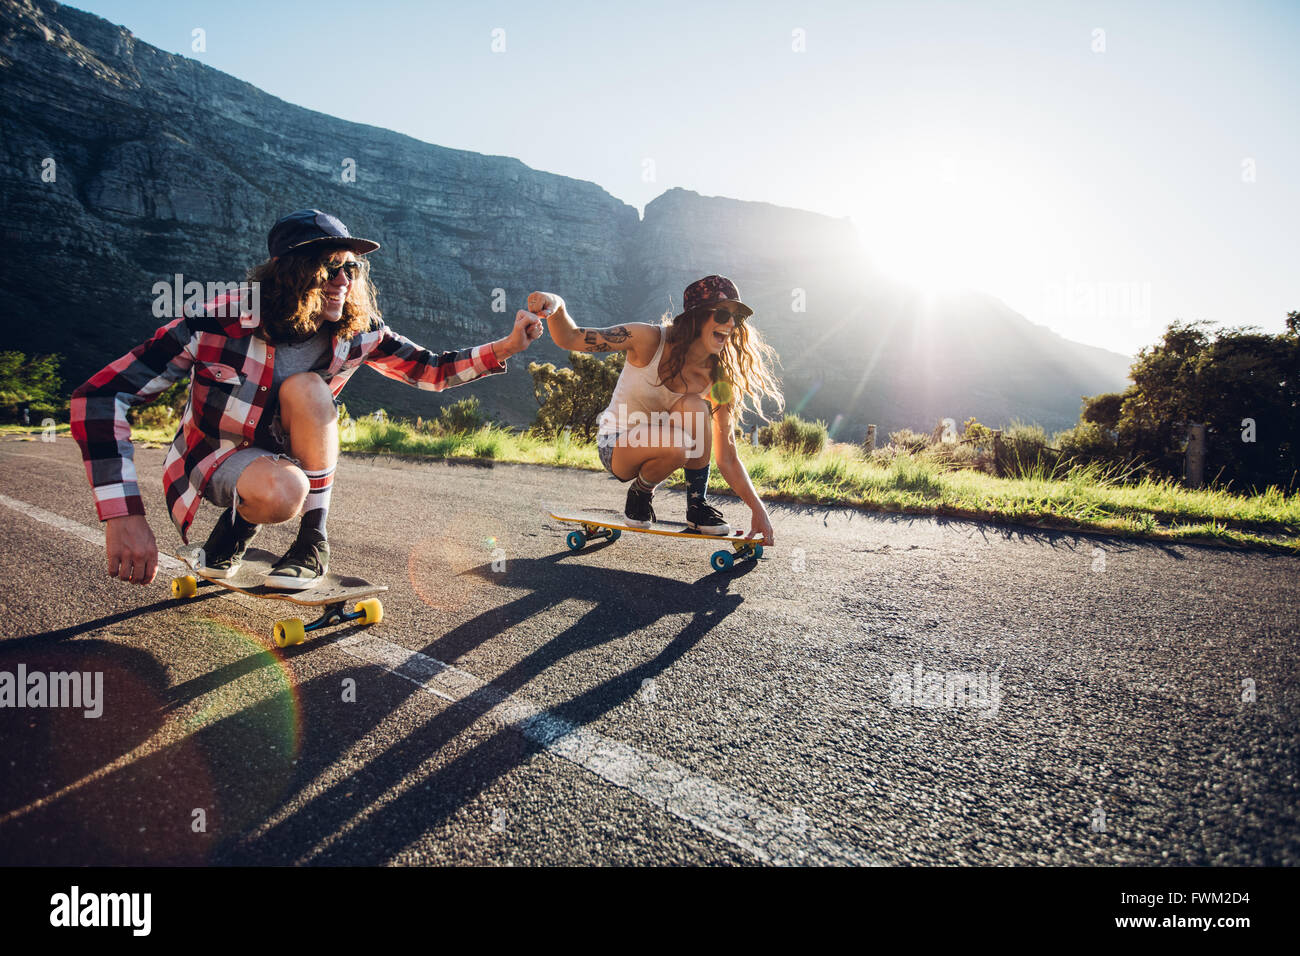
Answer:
[(230, 379)]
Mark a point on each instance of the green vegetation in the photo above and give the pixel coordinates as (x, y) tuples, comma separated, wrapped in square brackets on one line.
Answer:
[(572, 398), (31, 384), (164, 412), (1243, 385), (794, 434), (1087, 497)]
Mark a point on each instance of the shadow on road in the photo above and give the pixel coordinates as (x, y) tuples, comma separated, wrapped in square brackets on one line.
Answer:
[(45, 638), (624, 603)]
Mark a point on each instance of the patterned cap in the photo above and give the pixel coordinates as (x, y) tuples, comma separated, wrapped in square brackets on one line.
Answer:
[(311, 226), (709, 292)]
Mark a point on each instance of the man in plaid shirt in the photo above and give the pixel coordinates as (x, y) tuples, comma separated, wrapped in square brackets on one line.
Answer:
[(259, 436)]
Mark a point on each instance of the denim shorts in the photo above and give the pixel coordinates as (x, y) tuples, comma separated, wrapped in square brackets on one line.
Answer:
[(605, 449)]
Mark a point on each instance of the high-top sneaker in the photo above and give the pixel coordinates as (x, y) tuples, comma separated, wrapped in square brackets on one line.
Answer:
[(303, 565), (706, 519), (225, 547), (639, 511)]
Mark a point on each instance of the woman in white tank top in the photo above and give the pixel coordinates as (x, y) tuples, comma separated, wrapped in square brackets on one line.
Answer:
[(676, 402)]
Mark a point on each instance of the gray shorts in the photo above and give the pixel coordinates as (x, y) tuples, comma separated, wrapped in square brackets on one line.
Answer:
[(221, 486)]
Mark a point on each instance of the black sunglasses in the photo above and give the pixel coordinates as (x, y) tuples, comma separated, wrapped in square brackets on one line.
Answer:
[(722, 315), (350, 269)]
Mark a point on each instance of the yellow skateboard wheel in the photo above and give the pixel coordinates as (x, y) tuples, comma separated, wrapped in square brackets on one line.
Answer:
[(185, 586), (289, 632), (373, 610)]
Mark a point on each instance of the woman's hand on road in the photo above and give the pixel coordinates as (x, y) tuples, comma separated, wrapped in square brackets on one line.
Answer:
[(760, 523)]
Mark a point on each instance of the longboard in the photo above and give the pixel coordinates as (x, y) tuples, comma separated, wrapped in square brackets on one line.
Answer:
[(594, 527), (333, 593)]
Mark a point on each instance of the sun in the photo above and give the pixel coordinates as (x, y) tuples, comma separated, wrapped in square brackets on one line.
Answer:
[(941, 222)]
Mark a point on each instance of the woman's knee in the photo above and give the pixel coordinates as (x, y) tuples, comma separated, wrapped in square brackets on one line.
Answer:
[(689, 406)]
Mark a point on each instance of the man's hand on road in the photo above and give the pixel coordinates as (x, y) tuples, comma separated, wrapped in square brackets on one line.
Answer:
[(132, 550)]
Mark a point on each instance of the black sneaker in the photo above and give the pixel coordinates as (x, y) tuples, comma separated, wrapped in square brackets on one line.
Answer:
[(706, 519), (638, 511), (225, 547), (303, 565)]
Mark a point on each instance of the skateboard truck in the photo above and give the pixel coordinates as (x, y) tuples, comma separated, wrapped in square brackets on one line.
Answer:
[(332, 596), (590, 532)]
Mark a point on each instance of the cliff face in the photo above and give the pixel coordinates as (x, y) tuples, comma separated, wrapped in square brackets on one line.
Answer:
[(163, 165), (121, 165)]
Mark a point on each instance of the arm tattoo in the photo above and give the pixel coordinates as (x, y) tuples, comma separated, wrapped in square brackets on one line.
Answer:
[(595, 340)]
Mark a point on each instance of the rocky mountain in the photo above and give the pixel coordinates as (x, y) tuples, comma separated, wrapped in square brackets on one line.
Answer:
[(122, 165)]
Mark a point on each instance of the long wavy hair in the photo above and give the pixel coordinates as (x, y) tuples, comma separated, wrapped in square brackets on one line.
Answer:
[(291, 296), (742, 371)]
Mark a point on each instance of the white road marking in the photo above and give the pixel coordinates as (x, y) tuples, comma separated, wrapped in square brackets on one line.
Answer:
[(760, 830), (94, 535)]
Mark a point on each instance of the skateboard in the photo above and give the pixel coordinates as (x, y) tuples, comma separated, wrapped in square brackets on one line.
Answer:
[(595, 527), (332, 594)]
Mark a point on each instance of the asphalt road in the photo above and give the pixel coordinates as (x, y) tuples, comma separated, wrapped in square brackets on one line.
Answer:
[(876, 689)]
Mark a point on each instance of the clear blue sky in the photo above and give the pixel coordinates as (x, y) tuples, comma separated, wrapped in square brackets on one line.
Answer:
[(1099, 183)]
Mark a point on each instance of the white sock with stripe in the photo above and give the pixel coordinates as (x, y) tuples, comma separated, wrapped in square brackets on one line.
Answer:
[(317, 506)]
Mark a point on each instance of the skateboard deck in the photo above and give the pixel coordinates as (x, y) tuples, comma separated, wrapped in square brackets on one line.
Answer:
[(332, 593), (596, 526)]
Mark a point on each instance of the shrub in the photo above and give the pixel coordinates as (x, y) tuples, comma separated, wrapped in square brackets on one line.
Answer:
[(953, 455), (793, 434), (981, 436), (1024, 451), (573, 398), (1088, 441), (465, 415), (1103, 410), (909, 441)]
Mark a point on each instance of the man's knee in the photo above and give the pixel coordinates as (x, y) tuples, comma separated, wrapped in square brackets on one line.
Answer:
[(305, 393), (276, 493)]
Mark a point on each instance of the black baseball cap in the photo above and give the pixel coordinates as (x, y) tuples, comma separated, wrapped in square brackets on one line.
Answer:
[(308, 227)]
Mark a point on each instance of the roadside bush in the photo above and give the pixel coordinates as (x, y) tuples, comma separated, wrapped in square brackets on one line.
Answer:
[(1025, 450), (793, 434), (32, 383), (907, 440), (953, 455), (1088, 441), (574, 397), (465, 415)]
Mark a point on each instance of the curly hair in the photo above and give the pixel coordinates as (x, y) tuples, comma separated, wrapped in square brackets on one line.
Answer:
[(742, 370), (291, 296)]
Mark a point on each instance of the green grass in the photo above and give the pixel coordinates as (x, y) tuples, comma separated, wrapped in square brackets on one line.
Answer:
[(1085, 499)]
